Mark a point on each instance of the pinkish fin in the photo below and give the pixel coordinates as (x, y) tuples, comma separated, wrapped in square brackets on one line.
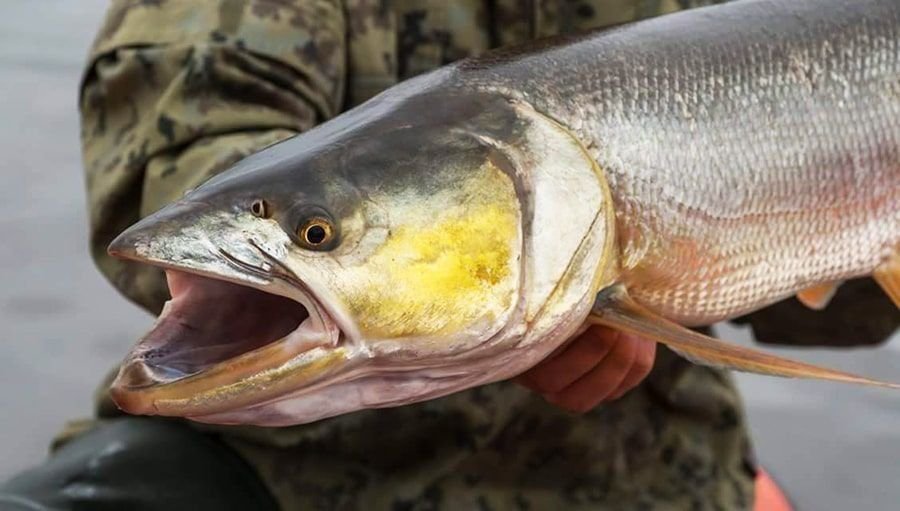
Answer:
[(888, 277), (614, 308), (817, 297)]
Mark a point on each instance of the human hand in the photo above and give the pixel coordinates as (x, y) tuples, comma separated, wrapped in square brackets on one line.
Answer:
[(599, 365)]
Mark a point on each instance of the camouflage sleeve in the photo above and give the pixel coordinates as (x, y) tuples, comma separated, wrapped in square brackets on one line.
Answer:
[(177, 90)]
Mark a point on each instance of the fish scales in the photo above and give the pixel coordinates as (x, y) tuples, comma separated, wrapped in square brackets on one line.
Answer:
[(752, 149), (464, 225)]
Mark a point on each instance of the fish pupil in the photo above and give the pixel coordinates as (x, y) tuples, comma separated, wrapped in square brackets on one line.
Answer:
[(316, 234)]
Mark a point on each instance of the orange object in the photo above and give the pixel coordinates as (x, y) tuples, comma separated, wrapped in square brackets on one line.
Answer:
[(769, 496)]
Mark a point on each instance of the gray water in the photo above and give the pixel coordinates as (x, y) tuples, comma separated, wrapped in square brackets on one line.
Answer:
[(62, 326)]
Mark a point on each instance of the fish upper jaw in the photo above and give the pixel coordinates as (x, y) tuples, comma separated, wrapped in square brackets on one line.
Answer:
[(190, 236)]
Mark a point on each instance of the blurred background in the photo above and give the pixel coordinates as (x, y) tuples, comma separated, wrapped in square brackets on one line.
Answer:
[(62, 327)]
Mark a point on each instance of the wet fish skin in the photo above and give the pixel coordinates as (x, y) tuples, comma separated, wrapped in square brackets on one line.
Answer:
[(693, 167), (483, 179), (752, 149)]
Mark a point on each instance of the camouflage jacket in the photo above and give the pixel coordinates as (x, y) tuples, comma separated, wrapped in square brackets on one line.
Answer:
[(177, 90)]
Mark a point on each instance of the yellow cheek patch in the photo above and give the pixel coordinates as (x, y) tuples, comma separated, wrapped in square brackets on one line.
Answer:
[(453, 265)]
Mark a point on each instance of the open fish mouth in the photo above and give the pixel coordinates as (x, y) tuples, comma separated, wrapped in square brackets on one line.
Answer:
[(214, 336), (210, 321), (236, 333)]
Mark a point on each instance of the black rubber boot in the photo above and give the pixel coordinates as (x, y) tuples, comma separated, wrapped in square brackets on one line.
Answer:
[(139, 464)]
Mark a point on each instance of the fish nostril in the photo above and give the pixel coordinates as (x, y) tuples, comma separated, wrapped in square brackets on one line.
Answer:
[(260, 208)]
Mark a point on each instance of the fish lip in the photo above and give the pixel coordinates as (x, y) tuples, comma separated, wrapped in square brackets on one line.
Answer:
[(161, 396)]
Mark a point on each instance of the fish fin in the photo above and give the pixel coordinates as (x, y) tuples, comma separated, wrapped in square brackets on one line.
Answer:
[(888, 277), (817, 297), (614, 308)]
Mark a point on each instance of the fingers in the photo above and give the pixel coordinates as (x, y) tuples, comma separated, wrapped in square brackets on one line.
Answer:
[(577, 359), (640, 368), (599, 383), (600, 365)]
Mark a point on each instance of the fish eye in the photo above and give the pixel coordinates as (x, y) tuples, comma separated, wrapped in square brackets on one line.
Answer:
[(260, 208), (316, 233)]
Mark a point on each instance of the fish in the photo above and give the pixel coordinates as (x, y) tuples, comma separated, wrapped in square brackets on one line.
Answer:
[(465, 224)]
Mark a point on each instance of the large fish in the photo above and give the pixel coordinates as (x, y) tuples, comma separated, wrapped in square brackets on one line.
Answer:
[(463, 225)]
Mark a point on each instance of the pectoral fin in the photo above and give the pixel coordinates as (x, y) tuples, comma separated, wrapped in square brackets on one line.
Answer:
[(614, 308), (888, 277), (817, 297)]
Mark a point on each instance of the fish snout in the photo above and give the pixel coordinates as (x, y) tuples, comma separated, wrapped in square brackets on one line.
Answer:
[(134, 242)]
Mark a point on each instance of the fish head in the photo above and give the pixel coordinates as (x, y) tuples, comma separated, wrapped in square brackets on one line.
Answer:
[(374, 261)]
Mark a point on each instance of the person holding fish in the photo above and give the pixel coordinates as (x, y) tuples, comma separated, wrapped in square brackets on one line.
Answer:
[(268, 354)]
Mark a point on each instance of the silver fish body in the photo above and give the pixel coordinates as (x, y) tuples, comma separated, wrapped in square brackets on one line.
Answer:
[(689, 168), (752, 149)]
